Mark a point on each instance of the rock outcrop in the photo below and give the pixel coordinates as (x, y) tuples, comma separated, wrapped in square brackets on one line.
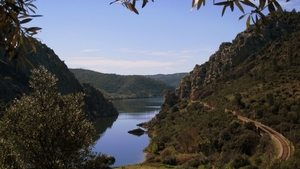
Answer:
[(231, 54)]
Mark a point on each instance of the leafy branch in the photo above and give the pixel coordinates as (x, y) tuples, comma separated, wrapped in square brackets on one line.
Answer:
[(15, 38), (131, 5), (254, 15)]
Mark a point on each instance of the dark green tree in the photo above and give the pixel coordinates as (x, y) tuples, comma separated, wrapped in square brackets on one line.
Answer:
[(48, 130), (188, 139), (270, 99), (237, 100)]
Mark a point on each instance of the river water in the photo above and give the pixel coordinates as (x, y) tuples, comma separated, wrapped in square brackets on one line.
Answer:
[(114, 138)]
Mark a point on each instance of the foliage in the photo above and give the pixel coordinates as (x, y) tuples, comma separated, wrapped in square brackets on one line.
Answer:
[(48, 130), (256, 13), (192, 163), (269, 88), (187, 137), (119, 86), (16, 39), (240, 161), (170, 160), (264, 86), (171, 79), (195, 129), (183, 158)]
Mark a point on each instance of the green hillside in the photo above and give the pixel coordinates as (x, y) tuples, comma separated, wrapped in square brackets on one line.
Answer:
[(119, 86), (171, 79), (255, 76)]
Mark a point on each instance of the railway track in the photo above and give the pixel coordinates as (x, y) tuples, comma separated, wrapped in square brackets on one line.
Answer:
[(284, 148), (282, 143)]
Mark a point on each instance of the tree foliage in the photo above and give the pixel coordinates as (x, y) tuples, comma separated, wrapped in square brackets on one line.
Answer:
[(15, 38), (253, 88), (187, 138), (48, 130), (198, 135), (255, 14)]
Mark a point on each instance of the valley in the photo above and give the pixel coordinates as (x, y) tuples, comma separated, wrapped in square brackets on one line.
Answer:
[(255, 76)]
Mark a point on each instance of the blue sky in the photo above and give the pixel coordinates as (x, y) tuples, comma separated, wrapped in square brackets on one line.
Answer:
[(166, 37)]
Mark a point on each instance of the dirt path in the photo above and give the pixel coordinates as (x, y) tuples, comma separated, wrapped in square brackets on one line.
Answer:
[(281, 142)]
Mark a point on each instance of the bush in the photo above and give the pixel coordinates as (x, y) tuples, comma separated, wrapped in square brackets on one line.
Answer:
[(194, 162), (240, 161), (150, 158), (154, 148), (170, 160), (182, 158), (249, 126), (166, 152)]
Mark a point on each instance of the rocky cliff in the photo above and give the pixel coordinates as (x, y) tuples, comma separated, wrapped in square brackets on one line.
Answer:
[(14, 81), (255, 76), (231, 54)]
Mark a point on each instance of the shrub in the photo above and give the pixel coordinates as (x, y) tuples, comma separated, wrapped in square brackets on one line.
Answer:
[(150, 158), (166, 152), (170, 160), (154, 147), (240, 161), (182, 158), (194, 162)]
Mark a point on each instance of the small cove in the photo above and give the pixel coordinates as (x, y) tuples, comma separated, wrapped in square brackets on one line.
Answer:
[(114, 138)]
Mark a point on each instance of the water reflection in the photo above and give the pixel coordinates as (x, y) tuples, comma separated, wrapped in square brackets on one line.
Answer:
[(115, 139), (102, 124), (137, 105)]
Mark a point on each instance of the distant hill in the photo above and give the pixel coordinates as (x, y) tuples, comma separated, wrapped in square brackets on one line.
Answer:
[(170, 79), (120, 86), (14, 81)]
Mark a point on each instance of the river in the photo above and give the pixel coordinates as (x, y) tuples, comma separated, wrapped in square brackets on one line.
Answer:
[(114, 138)]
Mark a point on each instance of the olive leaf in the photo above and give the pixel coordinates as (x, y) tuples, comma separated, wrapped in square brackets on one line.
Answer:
[(16, 38), (131, 7)]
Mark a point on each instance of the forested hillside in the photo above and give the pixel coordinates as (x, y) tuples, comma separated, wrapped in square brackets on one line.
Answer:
[(171, 79), (119, 86), (14, 81), (256, 76)]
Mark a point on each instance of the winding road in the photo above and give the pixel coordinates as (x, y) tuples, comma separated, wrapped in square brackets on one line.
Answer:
[(281, 142)]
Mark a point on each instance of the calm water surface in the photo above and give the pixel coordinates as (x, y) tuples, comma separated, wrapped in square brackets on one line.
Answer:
[(114, 139)]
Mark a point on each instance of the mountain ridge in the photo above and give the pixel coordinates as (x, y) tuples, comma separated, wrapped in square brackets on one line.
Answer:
[(14, 81), (171, 79), (122, 86), (256, 76)]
